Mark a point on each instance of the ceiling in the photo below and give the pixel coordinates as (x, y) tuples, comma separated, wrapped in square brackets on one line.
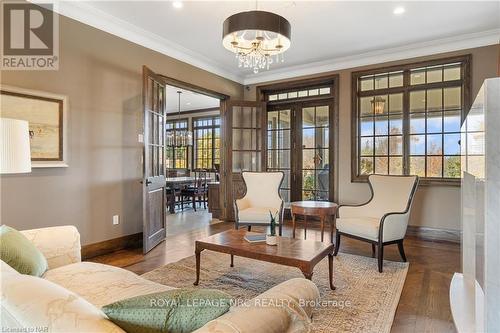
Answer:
[(189, 100), (326, 35)]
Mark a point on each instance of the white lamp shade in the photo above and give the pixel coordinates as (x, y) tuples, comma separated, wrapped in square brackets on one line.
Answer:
[(15, 156)]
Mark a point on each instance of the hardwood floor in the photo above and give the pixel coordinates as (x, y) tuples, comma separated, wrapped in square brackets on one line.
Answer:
[(188, 219), (424, 304)]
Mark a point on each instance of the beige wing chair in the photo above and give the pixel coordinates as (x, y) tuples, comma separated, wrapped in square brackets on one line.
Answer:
[(383, 219), (262, 195)]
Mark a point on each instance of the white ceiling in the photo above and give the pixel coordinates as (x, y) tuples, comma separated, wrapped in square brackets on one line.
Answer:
[(189, 100), (326, 35)]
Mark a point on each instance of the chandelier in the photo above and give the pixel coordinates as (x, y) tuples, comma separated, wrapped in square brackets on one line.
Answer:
[(181, 137), (258, 38)]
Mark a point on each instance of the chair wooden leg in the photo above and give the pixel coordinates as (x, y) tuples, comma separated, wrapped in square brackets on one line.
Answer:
[(380, 256), (280, 229), (322, 221), (332, 226), (401, 250), (305, 226), (194, 203), (337, 243), (373, 250)]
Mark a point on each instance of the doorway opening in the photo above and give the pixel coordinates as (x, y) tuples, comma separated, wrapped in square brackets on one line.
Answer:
[(193, 168), (183, 136)]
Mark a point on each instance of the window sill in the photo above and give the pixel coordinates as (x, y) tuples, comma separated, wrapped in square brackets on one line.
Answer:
[(452, 182)]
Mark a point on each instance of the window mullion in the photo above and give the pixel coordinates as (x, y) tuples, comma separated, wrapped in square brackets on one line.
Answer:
[(358, 134), (212, 166), (426, 159), (406, 122)]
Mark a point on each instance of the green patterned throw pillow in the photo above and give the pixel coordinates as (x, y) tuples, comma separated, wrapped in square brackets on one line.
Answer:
[(173, 311), (21, 254)]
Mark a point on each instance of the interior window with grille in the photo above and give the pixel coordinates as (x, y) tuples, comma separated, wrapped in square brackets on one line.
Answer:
[(176, 157), (408, 119), (206, 142)]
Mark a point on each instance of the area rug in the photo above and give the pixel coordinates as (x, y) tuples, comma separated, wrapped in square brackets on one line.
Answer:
[(364, 301)]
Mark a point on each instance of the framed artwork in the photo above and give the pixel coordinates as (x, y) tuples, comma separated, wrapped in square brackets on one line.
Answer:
[(46, 114)]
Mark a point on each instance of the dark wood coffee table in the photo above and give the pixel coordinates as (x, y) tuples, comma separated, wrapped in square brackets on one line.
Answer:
[(303, 254)]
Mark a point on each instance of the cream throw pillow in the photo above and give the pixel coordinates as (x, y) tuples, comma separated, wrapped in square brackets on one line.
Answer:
[(32, 302)]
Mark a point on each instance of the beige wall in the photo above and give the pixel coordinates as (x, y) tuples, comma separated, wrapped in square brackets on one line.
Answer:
[(435, 206), (101, 75)]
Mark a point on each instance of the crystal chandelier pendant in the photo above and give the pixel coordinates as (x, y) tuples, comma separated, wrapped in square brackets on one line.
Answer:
[(257, 38), (184, 138), (179, 137), (170, 139)]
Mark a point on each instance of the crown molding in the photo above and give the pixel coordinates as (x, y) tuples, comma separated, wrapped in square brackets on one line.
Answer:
[(450, 44), (96, 18)]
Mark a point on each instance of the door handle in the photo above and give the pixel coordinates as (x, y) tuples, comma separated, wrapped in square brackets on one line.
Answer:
[(148, 182)]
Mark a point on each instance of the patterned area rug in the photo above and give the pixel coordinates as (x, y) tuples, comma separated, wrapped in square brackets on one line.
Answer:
[(364, 301)]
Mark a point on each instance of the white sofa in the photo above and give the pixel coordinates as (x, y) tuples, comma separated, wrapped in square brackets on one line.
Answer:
[(71, 293)]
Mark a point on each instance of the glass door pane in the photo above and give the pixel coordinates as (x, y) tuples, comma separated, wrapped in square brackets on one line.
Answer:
[(246, 138), (243, 126), (279, 145), (315, 152)]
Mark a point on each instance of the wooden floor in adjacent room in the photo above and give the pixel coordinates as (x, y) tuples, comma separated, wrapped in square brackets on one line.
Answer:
[(424, 304)]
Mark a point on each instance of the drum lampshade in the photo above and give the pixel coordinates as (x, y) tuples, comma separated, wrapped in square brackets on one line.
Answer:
[(15, 154)]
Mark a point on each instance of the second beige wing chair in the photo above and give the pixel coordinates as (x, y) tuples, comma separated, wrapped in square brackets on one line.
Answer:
[(383, 219), (262, 196)]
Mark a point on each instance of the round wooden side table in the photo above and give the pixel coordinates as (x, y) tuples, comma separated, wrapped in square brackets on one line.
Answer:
[(322, 209)]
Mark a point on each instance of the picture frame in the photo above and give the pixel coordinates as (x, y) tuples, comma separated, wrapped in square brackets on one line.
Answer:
[(46, 114)]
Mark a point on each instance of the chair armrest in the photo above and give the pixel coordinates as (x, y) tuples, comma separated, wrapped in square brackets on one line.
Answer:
[(285, 308), (350, 210), (60, 245), (242, 203), (393, 225)]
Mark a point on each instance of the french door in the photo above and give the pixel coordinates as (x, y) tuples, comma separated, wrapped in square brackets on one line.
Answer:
[(300, 143), (153, 183), (243, 123)]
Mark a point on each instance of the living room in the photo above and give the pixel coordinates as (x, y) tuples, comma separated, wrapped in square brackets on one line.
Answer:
[(154, 148)]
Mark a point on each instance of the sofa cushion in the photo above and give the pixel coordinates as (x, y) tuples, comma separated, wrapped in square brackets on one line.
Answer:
[(173, 311), (7, 269), (102, 284), (366, 227), (286, 307), (256, 215), (60, 245), (21, 254), (304, 293), (32, 302)]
